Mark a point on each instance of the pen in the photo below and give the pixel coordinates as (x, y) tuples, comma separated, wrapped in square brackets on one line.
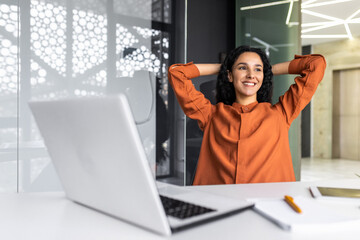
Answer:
[(289, 200)]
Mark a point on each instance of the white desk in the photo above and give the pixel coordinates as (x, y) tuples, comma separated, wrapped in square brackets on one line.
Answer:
[(51, 216)]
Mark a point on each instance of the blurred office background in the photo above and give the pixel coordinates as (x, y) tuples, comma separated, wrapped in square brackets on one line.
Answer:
[(53, 49)]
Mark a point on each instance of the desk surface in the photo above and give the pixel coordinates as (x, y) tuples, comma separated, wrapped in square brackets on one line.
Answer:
[(52, 216)]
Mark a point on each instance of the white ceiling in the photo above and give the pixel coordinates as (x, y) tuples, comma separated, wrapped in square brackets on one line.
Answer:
[(329, 20), (322, 20)]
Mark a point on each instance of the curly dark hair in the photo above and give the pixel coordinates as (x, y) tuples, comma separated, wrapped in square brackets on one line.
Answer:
[(225, 91)]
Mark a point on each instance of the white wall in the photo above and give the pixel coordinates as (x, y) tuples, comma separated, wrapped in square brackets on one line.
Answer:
[(339, 55)]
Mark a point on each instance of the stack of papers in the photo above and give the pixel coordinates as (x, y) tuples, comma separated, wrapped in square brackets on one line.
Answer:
[(315, 215)]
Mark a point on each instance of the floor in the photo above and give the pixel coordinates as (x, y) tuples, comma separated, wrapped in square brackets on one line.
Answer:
[(314, 169)]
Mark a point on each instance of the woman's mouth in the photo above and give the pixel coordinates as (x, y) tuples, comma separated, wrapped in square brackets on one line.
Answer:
[(249, 84)]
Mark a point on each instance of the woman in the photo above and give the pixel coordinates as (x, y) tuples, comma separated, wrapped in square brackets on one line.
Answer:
[(245, 136)]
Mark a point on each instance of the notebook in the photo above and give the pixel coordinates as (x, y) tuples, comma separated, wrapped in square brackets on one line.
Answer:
[(98, 154), (316, 215)]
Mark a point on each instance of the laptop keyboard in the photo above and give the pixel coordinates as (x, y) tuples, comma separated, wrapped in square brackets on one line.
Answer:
[(182, 210)]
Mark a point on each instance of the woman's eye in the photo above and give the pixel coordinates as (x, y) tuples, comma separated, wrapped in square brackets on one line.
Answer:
[(242, 68), (258, 69)]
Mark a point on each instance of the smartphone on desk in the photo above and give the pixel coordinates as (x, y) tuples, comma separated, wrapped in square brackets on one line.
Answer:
[(330, 192)]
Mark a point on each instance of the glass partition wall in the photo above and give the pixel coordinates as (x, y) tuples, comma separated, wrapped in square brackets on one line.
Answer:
[(53, 49), (271, 25), (274, 26)]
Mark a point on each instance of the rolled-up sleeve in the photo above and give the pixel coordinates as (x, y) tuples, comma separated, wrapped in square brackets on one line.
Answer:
[(311, 69), (193, 103)]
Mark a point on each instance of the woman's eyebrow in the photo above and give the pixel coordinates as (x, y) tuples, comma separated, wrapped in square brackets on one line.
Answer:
[(244, 63)]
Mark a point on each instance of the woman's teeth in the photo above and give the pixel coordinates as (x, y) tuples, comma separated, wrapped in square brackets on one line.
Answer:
[(249, 84)]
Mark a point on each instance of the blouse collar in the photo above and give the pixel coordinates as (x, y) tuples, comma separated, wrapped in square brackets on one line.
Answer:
[(245, 108)]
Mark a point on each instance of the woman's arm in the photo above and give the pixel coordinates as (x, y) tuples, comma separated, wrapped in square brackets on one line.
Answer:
[(208, 69), (193, 102), (310, 70), (281, 68)]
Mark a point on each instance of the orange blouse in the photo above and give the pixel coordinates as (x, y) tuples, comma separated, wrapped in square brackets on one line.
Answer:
[(246, 144)]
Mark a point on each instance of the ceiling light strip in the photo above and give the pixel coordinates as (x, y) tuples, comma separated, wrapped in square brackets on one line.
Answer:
[(320, 15), (265, 44), (315, 24), (293, 24), (289, 12), (323, 3), (353, 15), (355, 20), (325, 36), (267, 4), (348, 31)]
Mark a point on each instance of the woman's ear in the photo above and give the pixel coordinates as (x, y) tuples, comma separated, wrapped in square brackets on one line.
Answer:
[(229, 75)]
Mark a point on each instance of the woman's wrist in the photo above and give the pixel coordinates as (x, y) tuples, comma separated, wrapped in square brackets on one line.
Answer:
[(208, 69)]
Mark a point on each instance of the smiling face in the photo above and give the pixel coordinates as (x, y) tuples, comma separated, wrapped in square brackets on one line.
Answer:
[(247, 76)]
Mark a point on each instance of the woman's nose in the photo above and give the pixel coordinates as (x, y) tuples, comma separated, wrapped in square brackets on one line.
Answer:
[(250, 74)]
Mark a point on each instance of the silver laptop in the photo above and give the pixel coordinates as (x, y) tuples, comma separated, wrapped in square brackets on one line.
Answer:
[(96, 149)]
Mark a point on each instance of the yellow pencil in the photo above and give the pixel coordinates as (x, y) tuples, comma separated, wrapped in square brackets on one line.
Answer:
[(289, 200)]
